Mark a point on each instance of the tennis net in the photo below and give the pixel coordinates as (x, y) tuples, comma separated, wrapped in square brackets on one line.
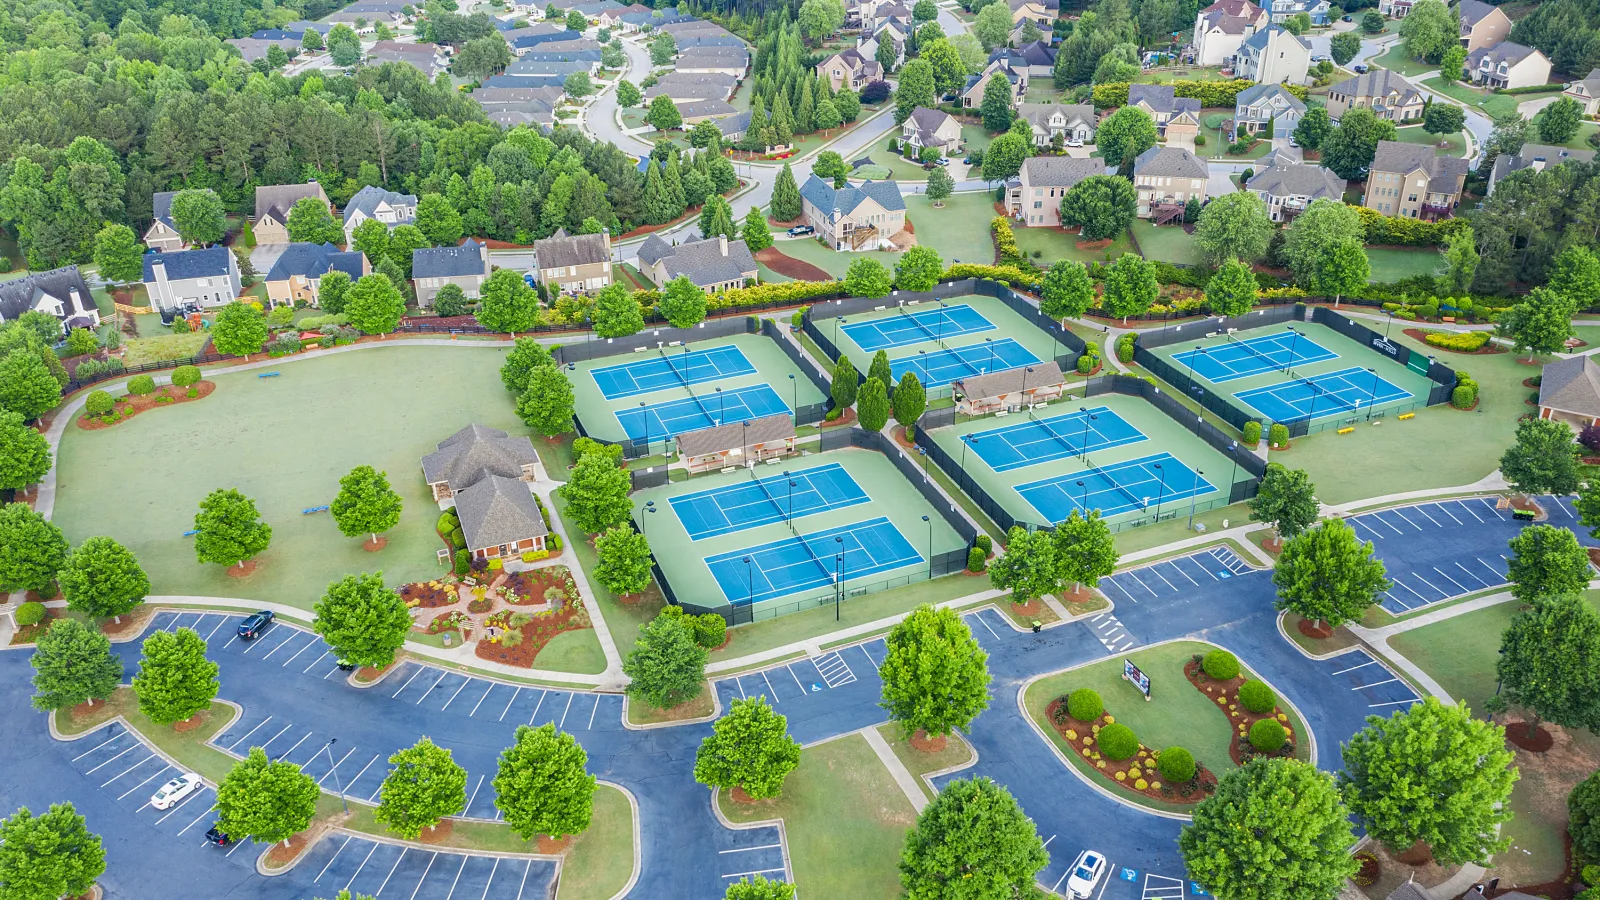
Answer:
[(790, 522), (921, 327), (1103, 473), (1060, 438), (1320, 391), (667, 358), (1254, 352)]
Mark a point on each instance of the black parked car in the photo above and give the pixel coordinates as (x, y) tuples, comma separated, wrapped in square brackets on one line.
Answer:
[(800, 230), (254, 624)]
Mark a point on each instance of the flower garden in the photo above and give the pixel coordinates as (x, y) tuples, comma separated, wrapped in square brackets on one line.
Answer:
[(510, 615)]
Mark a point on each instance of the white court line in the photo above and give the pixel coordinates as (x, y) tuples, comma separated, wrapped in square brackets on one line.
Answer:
[(481, 699), (563, 725), (508, 709), (1362, 687), (402, 856), (744, 849), (332, 858), (1370, 662), (455, 695), (315, 661), (430, 690)]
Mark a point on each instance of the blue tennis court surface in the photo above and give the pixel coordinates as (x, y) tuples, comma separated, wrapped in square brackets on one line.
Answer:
[(1328, 394), (1056, 437), (1117, 488), (940, 367), (905, 328), (1241, 359), (763, 501), (788, 567), (671, 368), (674, 417)]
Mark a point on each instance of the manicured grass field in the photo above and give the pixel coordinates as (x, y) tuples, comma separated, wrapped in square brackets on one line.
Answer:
[(1398, 60), (1455, 144), (958, 230), (1579, 141), (1392, 264), (1052, 244), (956, 752), (1493, 105), (1167, 243)]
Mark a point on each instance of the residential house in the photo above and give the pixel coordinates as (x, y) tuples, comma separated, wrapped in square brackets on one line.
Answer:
[(500, 519), (930, 128), (681, 87), (295, 276), (614, 18), (1273, 56), (856, 216), (273, 202), (1262, 103), (1070, 121), (162, 234), (525, 82), (731, 61), (1220, 28), (1395, 9), (474, 453), (574, 264), (1507, 66), (1167, 178), (696, 111), (892, 32), (887, 12), (1409, 180), (1034, 197), (971, 94), (1537, 157), (1177, 118), (465, 266), (371, 12), (851, 69), (1011, 389), (208, 277), (1569, 391), (737, 443), (1482, 25), (515, 106), (1040, 12), (62, 293), (1035, 59), (294, 31), (1287, 188), (692, 28), (1587, 92), (252, 48), (522, 40), (1386, 93), (425, 58), (1283, 10), (558, 69), (564, 51), (691, 41), (387, 207), (733, 127), (713, 264)]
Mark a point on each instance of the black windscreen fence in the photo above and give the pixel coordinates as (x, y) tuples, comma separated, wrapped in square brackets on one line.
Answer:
[(965, 482), (1443, 377), (651, 339)]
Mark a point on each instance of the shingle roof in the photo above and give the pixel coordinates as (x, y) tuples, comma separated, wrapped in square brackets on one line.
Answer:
[(182, 264), (474, 452), (563, 54), (701, 109), (1505, 163), (721, 438), (498, 511), (1505, 52), (276, 199), (314, 261), (1258, 41), (1240, 8), (571, 250), (993, 384), (449, 262), (732, 125), (1039, 113), (1377, 83), (367, 199), (161, 207), (1408, 891), (825, 198), (1472, 12), (1159, 97), (702, 261), (523, 82), (19, 295), (710, 58), (1298, 180), (1591, 83), (1571, 385), (927, 122), (1444, 172), (562, 67), (1061, 171), (1172, 161), (1257, 92)]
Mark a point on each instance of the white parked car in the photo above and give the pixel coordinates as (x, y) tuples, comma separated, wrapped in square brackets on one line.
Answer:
[(1086, 873), (173, 792), (1074, 142)]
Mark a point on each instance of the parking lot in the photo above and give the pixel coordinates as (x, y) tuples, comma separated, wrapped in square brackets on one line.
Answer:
[(1359, 671), (1174, 576), (747, 852), (383, 870), (822, 696)]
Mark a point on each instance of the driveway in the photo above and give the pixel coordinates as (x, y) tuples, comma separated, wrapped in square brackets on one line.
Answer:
[(264, 255)]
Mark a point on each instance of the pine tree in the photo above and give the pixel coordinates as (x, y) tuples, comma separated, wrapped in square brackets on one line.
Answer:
[(786, 197), (658, 209)]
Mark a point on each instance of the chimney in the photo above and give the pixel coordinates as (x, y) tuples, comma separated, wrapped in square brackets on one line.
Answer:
[(605, 235), (77, 300), (1538, 164), (722, 244)]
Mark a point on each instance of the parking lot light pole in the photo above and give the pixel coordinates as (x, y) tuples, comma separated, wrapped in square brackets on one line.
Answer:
[(336, 782)]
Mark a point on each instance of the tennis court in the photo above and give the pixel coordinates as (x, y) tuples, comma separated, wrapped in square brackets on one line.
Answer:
[(1135, 484), (671, 368), (1327, 394), (807, 561), (1042, 440), (940, 367), (762, 501), (1278, 351), (906, 327), (660, 421)]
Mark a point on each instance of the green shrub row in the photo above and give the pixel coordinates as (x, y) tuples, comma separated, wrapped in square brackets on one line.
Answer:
[(1465, 393), (1400, 231), (1125, 347), (1464, 341), (709, 629), (1209, 93), (1088, 359)]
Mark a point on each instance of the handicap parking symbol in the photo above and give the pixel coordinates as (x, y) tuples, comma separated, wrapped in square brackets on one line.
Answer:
[(1224, 573), (815, 687), (1128, 874), (1197, 890)]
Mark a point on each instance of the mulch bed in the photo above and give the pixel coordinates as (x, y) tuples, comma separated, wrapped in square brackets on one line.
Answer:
[(242, 571), (373, 545), (1538, 742), (1369, 871), (922, 742), (1316, 630), (1226, 695), (190, 723), (1026, 610), (847, 418), (532, 586), (280, 855), (439, 833), (1082, 736), (1594, 555), (367, 674), (441, 321), (129, 406), (1417, 334), (131, 623), (426, 595), (550, 846), (789, 267), (535, 635), (1094, 245), (1528, 503)]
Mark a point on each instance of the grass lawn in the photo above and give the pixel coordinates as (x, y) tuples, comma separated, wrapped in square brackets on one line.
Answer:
[(1187, 73), (1453, 145), (1579, 141), (1392, 264), (1052, 244), (157, 342), (956, 752), (1399, 61), (959, 229), (1167, 243), (1492, 104), (845, 819), (900, 168)]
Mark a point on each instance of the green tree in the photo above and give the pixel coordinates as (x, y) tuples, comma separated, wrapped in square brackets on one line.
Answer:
[(1540, 323), (310, 220), (1275, 829), (1461, 262), (846, 380), (616, 313), (667, 667), (935, 676), (910, 401), (1372, 21), (1314, 128), (1559, 121), (757, 236), (265, 801), (1583, 817), (363, 622), (438, 220), (716, 217), (1085, 552), (867, 277), (1234, 226), (1005, 156), (1067, 291), (1345, 46), (1327, 574), (32, 550), (1343, 269), (526, 355), (1451, 64), (239, 329), (1576, 274), (366, 504), (175, 681), (916, 89), (830, 166), (872, 406), (1427, 36), (662, 48), (26, 385), (403, 240), (1232, 291), (918, 269), (1544, 460), (940, 187), (949, 72), (1397, 769), (1324, 223), (881, 370), (424, 785), (1128, 130), (332, 288), (118, 254), (886, 56), (102, 579), (785, 196), (1130, 286), (546, 405), (1102, 206), (627, 94), (973, 841), (664, 114), (995, 109), (73, 664), (1028, 568), (543, 785), (623, 565), (1443, 118), (508, 305), (1550, 662), (578, 85), (749, 748), (481, 57), (1286, 499), (24, 453), (49, 856), (820, 18), (992, 30), (759, 888), (228, 529), (199, 217), (374, 304), (1546, 561), (682, 303), (597, 493), (1349, 151)]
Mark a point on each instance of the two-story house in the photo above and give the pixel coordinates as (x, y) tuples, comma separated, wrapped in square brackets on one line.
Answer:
[(1273, 56), (1283, 10), (971, 94), (576, 264), (1040, 12), (204, 278), (713, 264), (1071, 121), (1507, 65), (1586, 91), (1408, 180), (162, 234), (1386, 93), (1537, 157), (1177, 118), (1482, 25), (387, 207), (856, 216), (62, 293), (849, 68), (273, 202), (1036, 59), (1166, 179), (893, 32), (1220, 28), (296, 275), (1288, 188), (930, 128), (466, 266), (1034, 196), (1257, 105)]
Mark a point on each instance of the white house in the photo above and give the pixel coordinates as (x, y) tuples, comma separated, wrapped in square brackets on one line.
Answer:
[(208, 277), (1274, 56), (1220, 28), (387, 207)]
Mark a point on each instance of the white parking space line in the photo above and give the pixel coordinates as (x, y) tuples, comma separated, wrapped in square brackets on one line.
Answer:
[(315, 661), (863, 648), (1378, 517), (1157, 571), (285, 643), (159, 772), (1423, 510), (136, 765), (285, 754), (1185, 574), (474, 794), (1446, 510), (455, 695), (1408, 519), (528, 867), (364, 770), (985, 626), (1490, 507), (200, 793), (746, 849), (1497, 573), (1458, 584), (770, 692), (197, 821), (332, 858), (751, 872), (362, 866), (276, 736), (593, 711), (430, 689), (132, 747), (1472, 575), (1362, 687), (492, 869), (1466, 508), (1370, 662), (250, 732), (1392, 703), (336, 765), (458, 879), (481, 699), (1135, 577), (425, 870), (796, 678), (508, 705), (398, 860), (536, 706), (563, 725), (98, 746), (222, 620), (309, 644)]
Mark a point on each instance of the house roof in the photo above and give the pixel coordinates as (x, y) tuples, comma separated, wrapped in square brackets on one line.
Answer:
[(474, 452), (315, 260), (1061, 171), (712, 58), (826, 198), (1039, 113), (701, 109), (498, 510), (399, 50), (1258, 92), (161, 207), (1571, 385), (852, 59), (369, 198), (722, 438), (1408, 891), (276, 199), (511, 115), (1530, 154), (734, 124), (563, 249), (1505, 52), (19, 295), (522, 65), (1298, 180), (523, 82), (1033, 53), (1173, 161), (449, 262), (1472, 12), (210, 262), (547, 95), (1444, 172), (1236, 8), (1259, 41), (704, 262), (1379, 83), (1591, 84), (993, 384), (927, 123)]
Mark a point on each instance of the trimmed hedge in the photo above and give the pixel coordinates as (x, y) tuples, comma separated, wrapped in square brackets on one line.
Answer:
[(141, 385), (1465, 393), (1209, 93), (1464, 341), (984, 543), (1252, 433), (1117, 741), (30, 613), (1221, 665), (1085, 705), (976, 560), (1268, 736), (1176, 765), (1278, 434), (463, 562), (184, 376), (98, 403), (1382, 229), (710, 630), (1257, 697), (1125, 347)]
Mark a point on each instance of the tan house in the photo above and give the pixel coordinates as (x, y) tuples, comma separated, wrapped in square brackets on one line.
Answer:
[(978, 395), (1287, 188), (1482, 25), (273, 203), (1220, 28), (500, 519), (296, 275), (713, 264), (465, 266), (930, 128), (1387, 94), (1507, 66), (1537, 157), (576, 264), (849, 68), (1587, 92), (856, 216), (737, 443), (473, 454), (162, 234), (1034, 197), (971, 93), (1408, 180), (1072, 121), (1040, 12), (1167, 178), (1177, 118), (1569, 391)]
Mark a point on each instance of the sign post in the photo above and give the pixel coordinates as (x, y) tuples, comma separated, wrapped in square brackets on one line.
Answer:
[(1140, 680)]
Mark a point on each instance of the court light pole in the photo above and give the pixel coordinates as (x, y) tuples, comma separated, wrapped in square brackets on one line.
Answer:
[(1233, 454), (1192, 495), (1162, 491), (336, 780), (1293, 342), (722, 407), (838, 575), (1084, 503), (791, 497), (1191, 363), (965, 440), (837, 321), (646, 417), (794, 389), (649, 507), (1373, 399), (750, 575), (923, 452), (1083, 449), (989, 342), (930, 545)]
